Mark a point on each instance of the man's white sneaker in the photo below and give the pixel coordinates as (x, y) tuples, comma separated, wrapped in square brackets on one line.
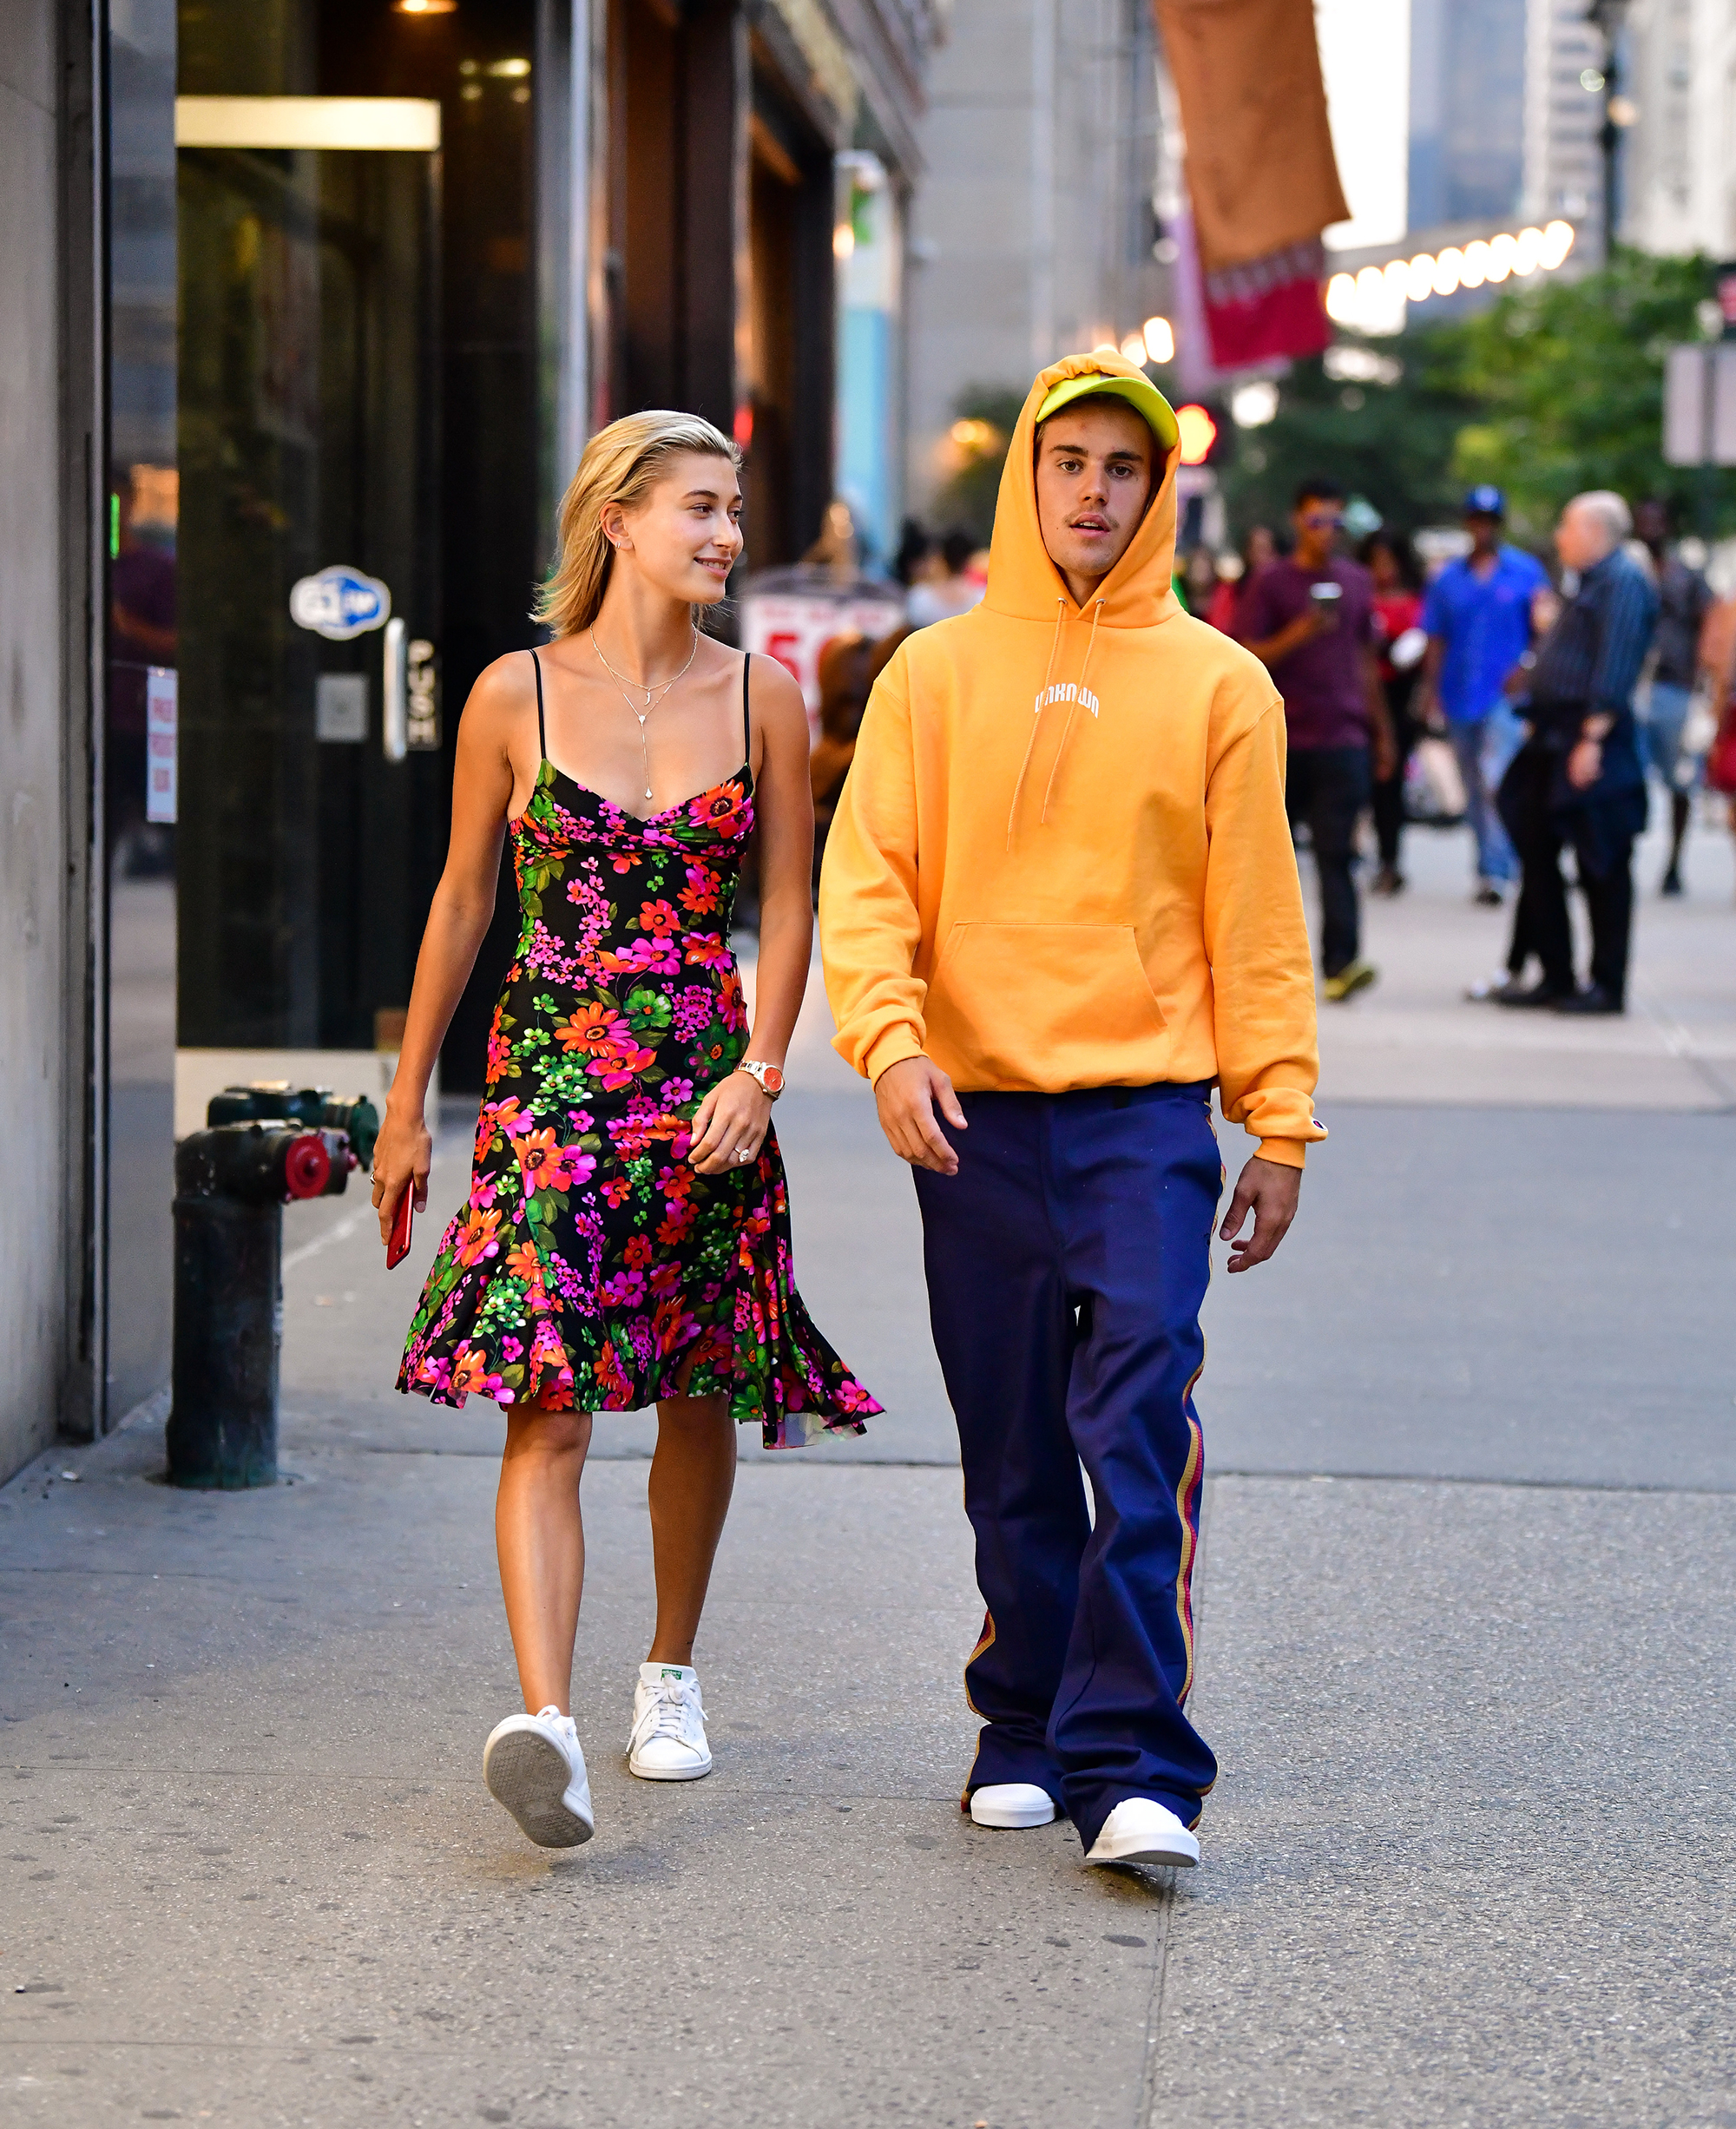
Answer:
[(533, 1764), (668, 1742), (1140, 1829), (1012, 1804)]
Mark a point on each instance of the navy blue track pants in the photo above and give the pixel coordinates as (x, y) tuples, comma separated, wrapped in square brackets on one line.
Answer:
[(1066, 1262)]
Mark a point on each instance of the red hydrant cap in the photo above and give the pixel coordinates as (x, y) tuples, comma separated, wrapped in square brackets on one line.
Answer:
[(307, 1167)]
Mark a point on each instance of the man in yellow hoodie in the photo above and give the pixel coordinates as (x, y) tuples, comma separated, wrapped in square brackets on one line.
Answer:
[(1060, 902)]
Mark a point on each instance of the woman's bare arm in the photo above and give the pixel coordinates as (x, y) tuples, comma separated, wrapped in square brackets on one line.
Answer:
[(459, 917), (736, 1113)]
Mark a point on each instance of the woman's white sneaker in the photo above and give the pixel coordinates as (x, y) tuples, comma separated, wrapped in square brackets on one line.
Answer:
[(668, 1742), (1140, 1829), (533, 1765), (1015, 1805)]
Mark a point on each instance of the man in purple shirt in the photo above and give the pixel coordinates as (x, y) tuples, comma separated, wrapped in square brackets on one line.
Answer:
[(1309, 618)]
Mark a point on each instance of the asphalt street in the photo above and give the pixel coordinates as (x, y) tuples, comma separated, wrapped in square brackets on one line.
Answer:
[(1467, 1596)]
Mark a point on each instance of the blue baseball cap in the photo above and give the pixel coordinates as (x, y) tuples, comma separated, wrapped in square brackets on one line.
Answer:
[(1485, 501)]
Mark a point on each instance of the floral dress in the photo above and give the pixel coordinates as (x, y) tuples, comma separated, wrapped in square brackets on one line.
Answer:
[(592, 1264)]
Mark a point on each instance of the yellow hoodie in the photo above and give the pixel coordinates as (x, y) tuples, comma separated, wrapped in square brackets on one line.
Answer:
[(1062, 860)]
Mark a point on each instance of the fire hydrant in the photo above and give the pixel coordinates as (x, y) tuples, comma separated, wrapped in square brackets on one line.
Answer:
[(232, 1182)]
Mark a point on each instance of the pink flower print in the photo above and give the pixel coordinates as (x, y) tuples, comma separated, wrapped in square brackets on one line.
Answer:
[(549, 1167), (642, 957), (436, 1370), (625, 1290), (621, 1069), (701, 891), (550, 1370), (471, 1373), (706, 950), (676, 1092), (692, 1012), (495, 1117), (851, 1398)]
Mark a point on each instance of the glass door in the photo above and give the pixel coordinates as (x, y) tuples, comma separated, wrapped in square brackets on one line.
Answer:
[(312, 817)]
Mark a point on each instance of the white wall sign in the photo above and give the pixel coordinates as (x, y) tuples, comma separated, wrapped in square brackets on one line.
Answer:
[(795, 626), (160, 764), (340, 601), (340, 707)]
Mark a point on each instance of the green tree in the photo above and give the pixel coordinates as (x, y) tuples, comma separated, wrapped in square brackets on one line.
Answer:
[(968, 499), (1387, 436), (1556, 387), (1568, 378)]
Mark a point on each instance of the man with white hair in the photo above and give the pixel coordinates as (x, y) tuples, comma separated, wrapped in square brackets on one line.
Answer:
[(1578, 780)]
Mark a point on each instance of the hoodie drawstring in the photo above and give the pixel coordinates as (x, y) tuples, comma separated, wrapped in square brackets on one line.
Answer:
[(1084, 670), (1037, 719)]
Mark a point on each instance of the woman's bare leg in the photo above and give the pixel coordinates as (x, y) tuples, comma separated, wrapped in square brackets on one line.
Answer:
[(692, 1475), (540, 1536)]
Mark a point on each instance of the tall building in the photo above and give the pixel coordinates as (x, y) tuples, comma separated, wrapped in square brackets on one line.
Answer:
[(1467, 148), (307, 310), (1563, 118), (1505, 109), (1031, 234), (1678, 77)]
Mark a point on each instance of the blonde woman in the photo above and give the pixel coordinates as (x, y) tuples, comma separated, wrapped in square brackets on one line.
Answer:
[(626, 1239)]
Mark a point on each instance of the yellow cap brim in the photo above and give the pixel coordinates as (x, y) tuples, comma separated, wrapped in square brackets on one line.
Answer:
[(1139, 392)]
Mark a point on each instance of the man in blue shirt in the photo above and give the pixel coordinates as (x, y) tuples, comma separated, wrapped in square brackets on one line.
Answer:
[(1478, 617), (1577, 782)]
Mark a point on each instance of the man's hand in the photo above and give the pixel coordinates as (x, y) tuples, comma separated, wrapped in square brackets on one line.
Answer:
[(1585, 763), (1269, 1191), (906, 1095)]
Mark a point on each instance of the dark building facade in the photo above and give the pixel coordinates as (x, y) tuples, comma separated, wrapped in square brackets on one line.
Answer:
[(329, 295)]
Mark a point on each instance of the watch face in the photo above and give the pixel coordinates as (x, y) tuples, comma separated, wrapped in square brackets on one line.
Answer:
[(772, 1079)]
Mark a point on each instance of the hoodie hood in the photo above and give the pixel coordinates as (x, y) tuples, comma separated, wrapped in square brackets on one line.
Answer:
[(1023, 583)]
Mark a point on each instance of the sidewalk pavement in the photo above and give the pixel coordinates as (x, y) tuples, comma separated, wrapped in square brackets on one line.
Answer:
[(1466, 1604)]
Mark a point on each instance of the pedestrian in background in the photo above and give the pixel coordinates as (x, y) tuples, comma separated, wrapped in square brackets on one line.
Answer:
[(1684, 601), (1578, 781), (626, 1239), (1309, 618), (949, 588), (1059, 902), (1389, 559), (1479, 613), (1234, 584), (1718, 678)]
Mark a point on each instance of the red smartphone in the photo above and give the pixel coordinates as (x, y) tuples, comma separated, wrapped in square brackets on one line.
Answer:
[(398, 1248)]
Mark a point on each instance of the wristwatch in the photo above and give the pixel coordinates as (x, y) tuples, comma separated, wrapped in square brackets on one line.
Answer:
[(771, 1080)]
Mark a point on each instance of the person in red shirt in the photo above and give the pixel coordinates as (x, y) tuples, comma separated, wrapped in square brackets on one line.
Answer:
[(1388, 558)]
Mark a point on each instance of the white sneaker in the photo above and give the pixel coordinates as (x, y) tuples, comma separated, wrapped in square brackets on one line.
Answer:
[(1140, 1829), (1012, 1804), (667, 1741), (533, 1764)]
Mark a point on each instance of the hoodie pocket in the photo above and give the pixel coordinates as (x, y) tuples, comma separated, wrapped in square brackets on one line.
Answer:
[(1045, 1005)]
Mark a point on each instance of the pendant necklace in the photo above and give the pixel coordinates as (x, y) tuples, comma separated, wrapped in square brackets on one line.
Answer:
[(653, 695)]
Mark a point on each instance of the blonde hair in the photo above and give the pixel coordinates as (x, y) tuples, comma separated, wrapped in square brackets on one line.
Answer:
[(622, 465)]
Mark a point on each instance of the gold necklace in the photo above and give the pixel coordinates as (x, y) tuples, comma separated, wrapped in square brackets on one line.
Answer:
[(653, 695)]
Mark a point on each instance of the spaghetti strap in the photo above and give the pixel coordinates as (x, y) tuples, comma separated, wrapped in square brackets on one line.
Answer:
[(542, 737), (746, 729)]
